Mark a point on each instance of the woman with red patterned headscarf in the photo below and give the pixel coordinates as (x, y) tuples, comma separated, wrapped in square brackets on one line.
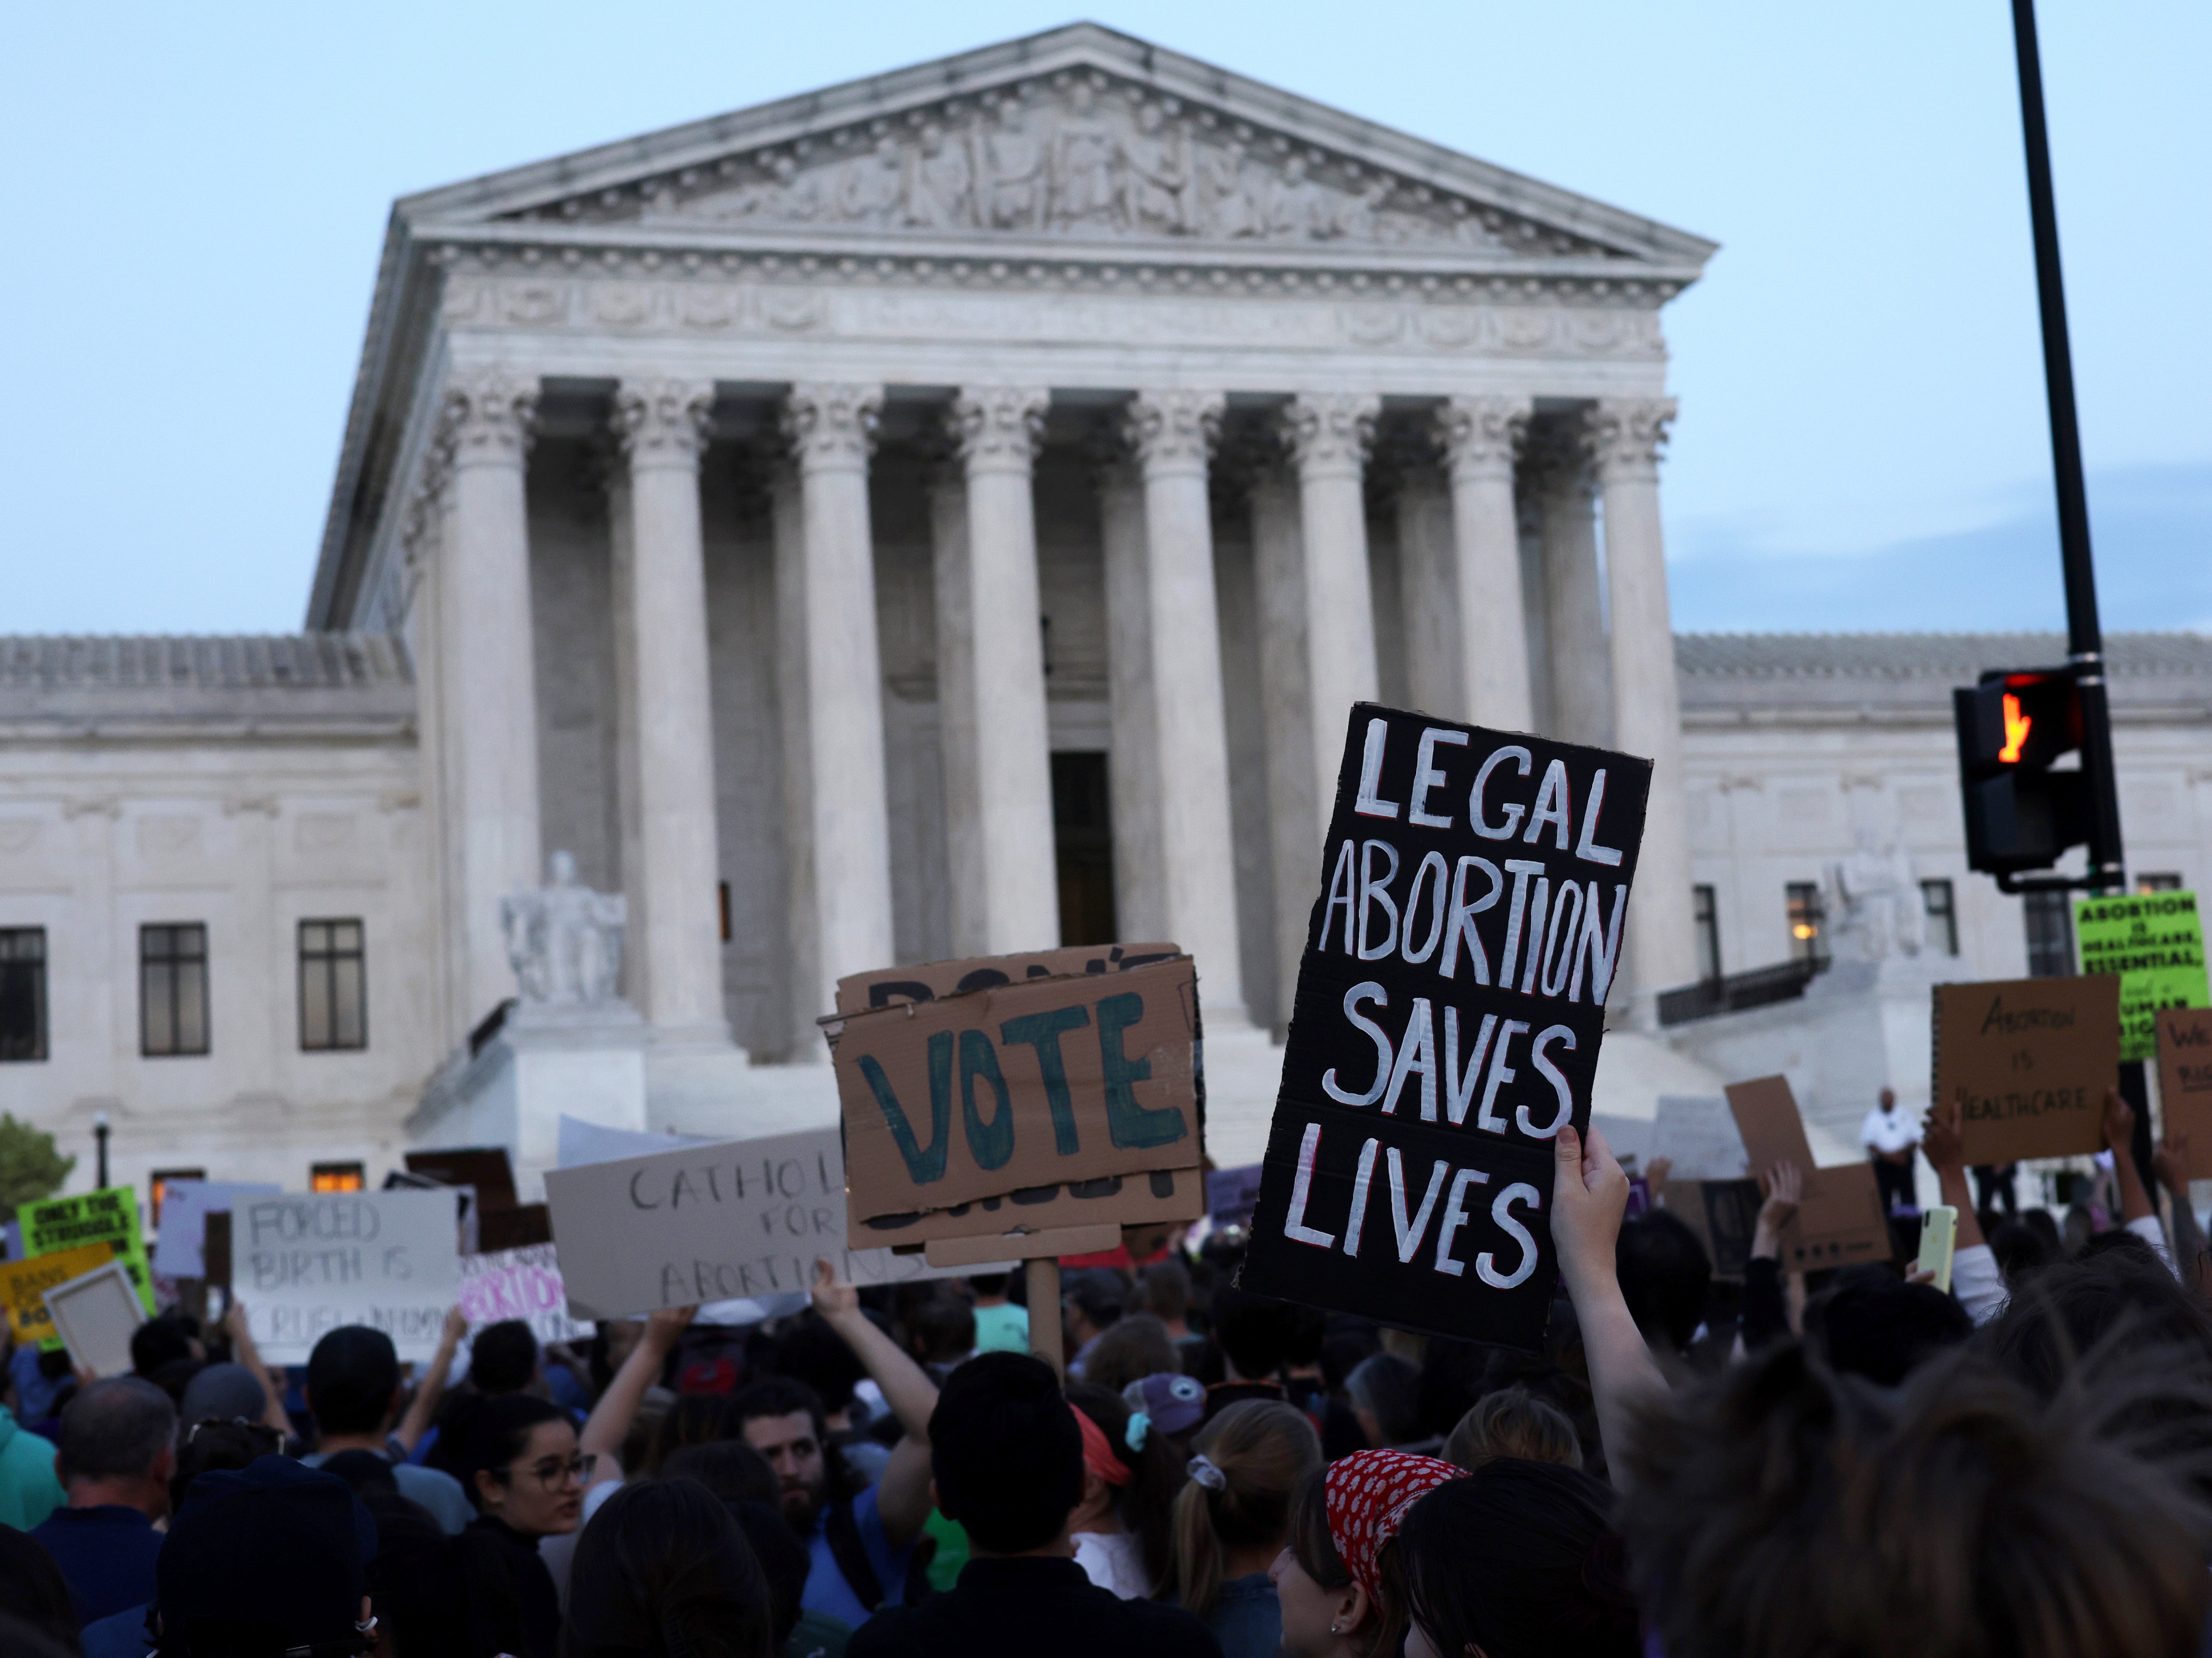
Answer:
[(1339, 1583)]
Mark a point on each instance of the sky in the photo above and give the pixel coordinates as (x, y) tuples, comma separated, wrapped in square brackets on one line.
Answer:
[(199, 194)]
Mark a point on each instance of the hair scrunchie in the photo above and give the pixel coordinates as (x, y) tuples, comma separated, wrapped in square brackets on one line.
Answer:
[(1140, 1429), (1201, 1469)]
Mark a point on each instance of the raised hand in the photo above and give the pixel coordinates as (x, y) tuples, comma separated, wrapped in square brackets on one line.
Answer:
[(1589, 1194), (833, 1296)]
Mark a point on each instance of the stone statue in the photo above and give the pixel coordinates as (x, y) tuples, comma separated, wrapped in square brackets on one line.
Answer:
[(1158, 176), (1084, 153), (1876, 901), (1013, 162), (564, 940)]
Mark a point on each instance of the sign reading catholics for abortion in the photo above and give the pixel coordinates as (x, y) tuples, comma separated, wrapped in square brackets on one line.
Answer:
[(2154, 943), (1450, 1006), (1021, 1093), (302, 1264)]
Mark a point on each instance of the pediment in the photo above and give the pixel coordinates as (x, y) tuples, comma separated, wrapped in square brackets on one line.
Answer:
[(1080, 136)]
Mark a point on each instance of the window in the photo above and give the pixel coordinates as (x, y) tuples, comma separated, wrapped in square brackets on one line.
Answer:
[(161, 1180), (22, 993), (172, 989), (2050, 933), (1943, 908), (337, 1177), (1807, 922), (1704, 912), (2158, 883), (333, 987)]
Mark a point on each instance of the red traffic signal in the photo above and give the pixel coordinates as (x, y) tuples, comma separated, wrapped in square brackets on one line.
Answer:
[(2020, 814)]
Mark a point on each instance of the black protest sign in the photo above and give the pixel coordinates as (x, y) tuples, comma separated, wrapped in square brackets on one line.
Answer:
[(1450, 1003)]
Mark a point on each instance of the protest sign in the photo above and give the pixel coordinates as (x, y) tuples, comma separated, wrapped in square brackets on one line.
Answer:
[(95, 1316), (23, 1284), (519, 1284), (1449, 1007), (185, 1210), (304, 1264), (2184, 1083), (2154, 943), (1723, 1213), (889, 987), (483, 1166), (1839, 1219), (1230, 1193), (1062, 1082), (109, 1216), (2027, 1061), (733, 1220)]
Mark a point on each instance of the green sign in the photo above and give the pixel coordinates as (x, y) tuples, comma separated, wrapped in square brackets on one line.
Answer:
[(109, 1216), (2154, 943)]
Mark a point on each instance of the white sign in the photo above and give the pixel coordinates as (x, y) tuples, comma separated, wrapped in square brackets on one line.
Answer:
[(519, 1284), (305, 1264), (184, 1209), (738, 1220)]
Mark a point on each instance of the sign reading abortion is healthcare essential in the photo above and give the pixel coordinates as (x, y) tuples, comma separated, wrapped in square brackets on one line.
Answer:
[(2153, 944), (1450, 1002)]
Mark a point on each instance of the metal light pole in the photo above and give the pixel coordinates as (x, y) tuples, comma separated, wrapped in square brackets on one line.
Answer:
[(100, 1138), (2085, 641)]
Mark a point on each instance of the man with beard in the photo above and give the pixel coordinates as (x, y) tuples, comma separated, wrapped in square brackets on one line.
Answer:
[(859, 1542)]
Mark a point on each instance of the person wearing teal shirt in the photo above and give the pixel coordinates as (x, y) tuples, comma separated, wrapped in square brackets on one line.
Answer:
[(28, 1489)]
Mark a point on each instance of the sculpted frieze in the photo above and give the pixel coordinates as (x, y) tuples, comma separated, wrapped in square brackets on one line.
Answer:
[(1082, 157), (707, 306)]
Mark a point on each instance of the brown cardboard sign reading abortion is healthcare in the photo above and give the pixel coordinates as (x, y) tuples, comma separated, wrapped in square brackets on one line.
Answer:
[(1019, 1087), (1450, 1003), (1839, 1219), (2027, 1061), (2185, 1082)]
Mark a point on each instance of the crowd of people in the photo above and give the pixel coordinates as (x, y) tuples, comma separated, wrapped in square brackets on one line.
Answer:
[(1851, 1463)]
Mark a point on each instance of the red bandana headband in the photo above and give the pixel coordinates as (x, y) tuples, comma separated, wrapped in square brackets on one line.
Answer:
[(1098, 1451), (1367, 1493)]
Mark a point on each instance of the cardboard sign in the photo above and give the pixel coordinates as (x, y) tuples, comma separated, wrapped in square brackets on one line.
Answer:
[(23, 1285), (1839, 1219), (483, 1167), (2027, 1061), (305, 1264), (1031, 1086), (524, 1283), (738, 1220), (95, 1315), (2154, 942), (1449, 1007), (515, 1228), (890, 987), (109, 1216), (1723, 1213), (178, 1252), (2185, 1082)]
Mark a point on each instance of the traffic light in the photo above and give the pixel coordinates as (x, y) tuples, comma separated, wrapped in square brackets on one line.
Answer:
[(2020, 814)]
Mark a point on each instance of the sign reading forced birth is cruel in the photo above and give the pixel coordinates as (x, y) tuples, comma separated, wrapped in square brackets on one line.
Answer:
[(1450, 1006), (1023, 1102)]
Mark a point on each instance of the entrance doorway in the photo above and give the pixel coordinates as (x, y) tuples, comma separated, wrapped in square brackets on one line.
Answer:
[(1083, 843)]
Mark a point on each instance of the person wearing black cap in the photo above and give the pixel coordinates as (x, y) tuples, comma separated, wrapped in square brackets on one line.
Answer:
[(266, 1560)]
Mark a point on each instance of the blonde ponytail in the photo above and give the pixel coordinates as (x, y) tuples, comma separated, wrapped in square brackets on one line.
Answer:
[(1250, 1459)]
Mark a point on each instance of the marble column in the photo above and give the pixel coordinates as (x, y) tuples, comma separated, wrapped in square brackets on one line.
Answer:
[(488, 676), (1481, 437), (1133, 767), (997, 803), (1172, 434), (1428, 593), (1559, 476), (837, 819), (1626, 436), (1296, 824), (669, 855), (1328, 434)]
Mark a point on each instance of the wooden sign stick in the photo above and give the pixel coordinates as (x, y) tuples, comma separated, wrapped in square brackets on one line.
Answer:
[(1043, 1275)]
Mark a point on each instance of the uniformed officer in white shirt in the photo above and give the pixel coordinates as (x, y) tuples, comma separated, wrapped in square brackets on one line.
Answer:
[(1891, 1137)]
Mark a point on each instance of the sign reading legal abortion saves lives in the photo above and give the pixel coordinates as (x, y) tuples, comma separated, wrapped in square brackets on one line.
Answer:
[(1449, 1007), (302, 1264)]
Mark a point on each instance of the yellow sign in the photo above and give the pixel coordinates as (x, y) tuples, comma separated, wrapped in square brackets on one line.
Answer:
[(23, 1284)]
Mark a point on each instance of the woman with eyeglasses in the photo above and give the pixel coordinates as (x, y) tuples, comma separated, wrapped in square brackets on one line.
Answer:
[(521, 1466)]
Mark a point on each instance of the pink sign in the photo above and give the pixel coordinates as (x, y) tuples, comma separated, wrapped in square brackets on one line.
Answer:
[(524, 1283)]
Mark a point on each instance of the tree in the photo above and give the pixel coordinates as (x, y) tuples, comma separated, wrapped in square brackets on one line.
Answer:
[(30, 1167)]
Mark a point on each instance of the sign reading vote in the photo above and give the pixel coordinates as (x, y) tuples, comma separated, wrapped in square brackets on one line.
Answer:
[(737, 1220), (2027, 1061), (1031, 1086), (2154, 943), (304, 1264), (1450, 1002)]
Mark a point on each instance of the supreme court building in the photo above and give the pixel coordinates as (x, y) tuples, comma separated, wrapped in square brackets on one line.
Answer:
[(946, 513)]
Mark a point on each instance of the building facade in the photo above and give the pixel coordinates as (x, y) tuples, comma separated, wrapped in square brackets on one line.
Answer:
[(946, 513)]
